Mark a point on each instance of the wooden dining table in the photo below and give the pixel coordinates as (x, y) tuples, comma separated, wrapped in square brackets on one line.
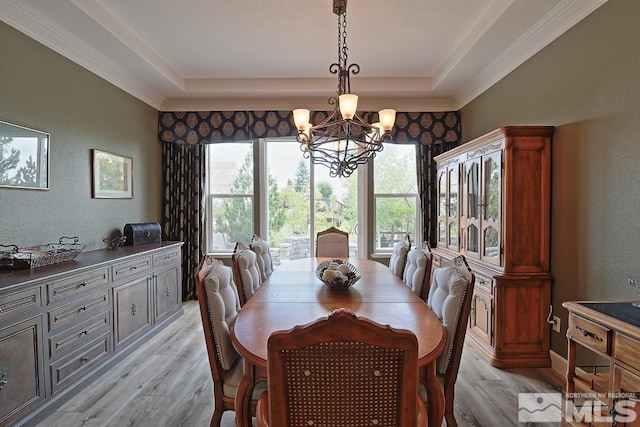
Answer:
[(293, 295)]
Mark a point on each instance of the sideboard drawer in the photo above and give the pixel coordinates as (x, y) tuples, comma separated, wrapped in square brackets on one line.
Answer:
[(484, 283), (76, 284), (20, 302), (76, 311), (589, 334), (167, 257), (64, 371), (80, 334), (130, 269), (627, 350)]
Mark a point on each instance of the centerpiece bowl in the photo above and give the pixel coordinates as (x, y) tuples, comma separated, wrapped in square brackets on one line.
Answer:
[(337, 274)]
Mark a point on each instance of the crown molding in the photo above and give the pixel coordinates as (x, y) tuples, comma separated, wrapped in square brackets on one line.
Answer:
[(25, 18), (561, 18)]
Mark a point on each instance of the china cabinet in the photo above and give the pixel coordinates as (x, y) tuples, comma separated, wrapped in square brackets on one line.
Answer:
[(494, 207), (65, 324)]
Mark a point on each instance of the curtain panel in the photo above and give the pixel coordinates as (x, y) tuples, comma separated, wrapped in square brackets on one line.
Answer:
[(184, 135)]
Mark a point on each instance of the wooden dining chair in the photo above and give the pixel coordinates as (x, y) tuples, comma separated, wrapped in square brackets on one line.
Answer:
[(332, 243), (342, 370), (246, 274), (450, 296), (219, 306), (417, 272), (263, 251), (398, 259)]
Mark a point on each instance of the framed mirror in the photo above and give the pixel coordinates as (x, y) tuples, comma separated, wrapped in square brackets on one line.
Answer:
[(24, 157)]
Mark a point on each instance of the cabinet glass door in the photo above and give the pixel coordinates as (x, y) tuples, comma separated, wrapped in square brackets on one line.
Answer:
[(492, 177), (452, 177), (442, 207), (472, 203)]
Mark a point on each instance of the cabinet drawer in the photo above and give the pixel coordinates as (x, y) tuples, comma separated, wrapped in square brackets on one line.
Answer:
[(67, 369), (589, 334), (80, 334), (166, 258), (627, 350), (76, 284), (484, 283), (133, 268), (72, 313), (20, 302)]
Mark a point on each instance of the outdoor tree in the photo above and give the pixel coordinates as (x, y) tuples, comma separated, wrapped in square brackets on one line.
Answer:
[(9, 158), (302, 178), (27, 175)]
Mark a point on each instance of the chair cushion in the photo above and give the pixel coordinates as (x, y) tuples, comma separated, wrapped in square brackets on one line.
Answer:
[(398, 258), (249, 273), (264, 260), (333, 245), (446, 295), (223, 304), (231, 380), (415, 269)]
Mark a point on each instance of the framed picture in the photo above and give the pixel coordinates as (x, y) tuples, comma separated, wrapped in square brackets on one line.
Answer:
[(112, 176)]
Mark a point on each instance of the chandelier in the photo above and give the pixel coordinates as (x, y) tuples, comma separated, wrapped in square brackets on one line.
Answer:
[(343, 140)]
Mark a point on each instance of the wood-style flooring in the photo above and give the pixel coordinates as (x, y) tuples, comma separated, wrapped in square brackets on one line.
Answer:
[(167, 382)]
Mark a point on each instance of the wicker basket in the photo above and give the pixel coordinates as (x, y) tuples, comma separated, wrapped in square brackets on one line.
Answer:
[(12, 257), (352, 276)]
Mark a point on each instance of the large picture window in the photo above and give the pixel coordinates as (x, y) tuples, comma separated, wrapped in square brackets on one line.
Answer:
[(294, 199)]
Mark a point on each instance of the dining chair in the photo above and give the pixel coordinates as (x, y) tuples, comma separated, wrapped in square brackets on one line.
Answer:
[(263, 251), (332, 243), (219, 306), (246, 274), (450, 296), (342, 370), (417, 272), (398, 259)]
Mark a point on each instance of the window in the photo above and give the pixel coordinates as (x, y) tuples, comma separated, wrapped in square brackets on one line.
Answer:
[(294, 199), (395, 199), (230, 201)]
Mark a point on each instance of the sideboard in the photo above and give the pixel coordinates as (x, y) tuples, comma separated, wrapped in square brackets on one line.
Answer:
[(63, 325)]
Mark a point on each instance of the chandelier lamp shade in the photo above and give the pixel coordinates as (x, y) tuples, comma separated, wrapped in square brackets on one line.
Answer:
[(343, 140)]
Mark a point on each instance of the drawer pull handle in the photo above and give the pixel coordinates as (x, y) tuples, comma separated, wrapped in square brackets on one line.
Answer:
[(80, 285), (133, 267), (589, 334), (3, 382), (84, 359), (83, 308)]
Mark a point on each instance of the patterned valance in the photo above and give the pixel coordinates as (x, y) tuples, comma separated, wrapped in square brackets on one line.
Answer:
[(205, 127)]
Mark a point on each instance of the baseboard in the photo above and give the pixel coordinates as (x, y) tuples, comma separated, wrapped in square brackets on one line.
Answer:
[(558, 363)]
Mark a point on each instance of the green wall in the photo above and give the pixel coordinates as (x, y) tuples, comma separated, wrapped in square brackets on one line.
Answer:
[(42, 90), (587, 84)]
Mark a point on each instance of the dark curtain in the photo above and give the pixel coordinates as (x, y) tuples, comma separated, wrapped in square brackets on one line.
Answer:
[(183, 168), (184, 135)]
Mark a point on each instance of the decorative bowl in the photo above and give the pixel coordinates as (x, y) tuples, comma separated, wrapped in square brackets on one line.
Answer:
[(348, 274), (114, 242)]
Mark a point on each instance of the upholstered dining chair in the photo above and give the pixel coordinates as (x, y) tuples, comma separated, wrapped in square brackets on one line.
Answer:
[(398, 259), (332, 243), (219, 306), (246, 273), (342, 370), (450, 296), (263, 251), (417, 272)]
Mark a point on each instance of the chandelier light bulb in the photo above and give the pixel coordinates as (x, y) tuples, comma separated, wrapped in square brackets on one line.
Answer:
[(348, 105), (387, 119), (301, 119)]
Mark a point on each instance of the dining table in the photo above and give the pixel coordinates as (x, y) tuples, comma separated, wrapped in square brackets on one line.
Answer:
[(293, 295)]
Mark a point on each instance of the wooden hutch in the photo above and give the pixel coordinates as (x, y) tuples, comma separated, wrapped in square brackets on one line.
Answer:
[(494, 208)]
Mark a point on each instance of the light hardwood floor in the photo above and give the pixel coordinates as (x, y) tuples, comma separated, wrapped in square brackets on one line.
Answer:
[(167, 382)]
